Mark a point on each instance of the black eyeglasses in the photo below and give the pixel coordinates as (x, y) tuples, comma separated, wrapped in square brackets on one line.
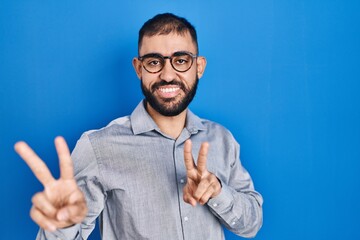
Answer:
[(180, 61)]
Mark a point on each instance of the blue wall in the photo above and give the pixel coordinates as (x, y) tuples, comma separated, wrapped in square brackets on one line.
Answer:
[(283, 76)]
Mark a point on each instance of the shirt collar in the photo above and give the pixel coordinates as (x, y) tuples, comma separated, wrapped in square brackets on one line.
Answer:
[(142, 122), (193, 123)]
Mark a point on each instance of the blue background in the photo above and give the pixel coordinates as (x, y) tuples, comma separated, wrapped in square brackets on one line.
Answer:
[(283, 76)]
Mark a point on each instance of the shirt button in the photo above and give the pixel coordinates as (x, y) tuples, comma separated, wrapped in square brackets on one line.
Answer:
[(182, 181), (233, 223), (186, 219), (215, 204)]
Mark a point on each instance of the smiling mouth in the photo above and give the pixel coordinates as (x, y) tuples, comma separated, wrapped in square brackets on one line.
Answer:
[(167, 92), (168, 89)]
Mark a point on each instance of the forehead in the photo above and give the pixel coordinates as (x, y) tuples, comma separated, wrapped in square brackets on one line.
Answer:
[(167, 44)]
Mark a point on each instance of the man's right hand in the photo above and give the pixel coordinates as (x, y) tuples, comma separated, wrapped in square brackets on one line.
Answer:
[(61, 204)]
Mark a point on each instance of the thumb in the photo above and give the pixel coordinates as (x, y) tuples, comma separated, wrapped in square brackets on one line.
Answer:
[(72, 213), (63, 215)]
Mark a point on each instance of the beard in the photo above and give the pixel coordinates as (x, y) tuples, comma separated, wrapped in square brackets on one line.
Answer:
[(172, 106)]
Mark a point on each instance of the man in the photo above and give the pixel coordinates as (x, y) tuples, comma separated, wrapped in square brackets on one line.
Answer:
[(160, 173)]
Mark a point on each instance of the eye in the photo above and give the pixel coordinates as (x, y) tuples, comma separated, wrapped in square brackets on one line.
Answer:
[(181, 60), (153, 62)]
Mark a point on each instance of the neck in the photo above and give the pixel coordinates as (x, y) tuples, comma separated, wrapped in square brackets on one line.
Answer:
[(171, 126)]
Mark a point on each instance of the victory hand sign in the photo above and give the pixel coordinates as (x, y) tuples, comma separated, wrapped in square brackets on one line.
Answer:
[(61, 204), (201, 185)]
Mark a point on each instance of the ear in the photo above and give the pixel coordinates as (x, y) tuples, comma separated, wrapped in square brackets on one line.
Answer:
[(137, 66), (201, 64)]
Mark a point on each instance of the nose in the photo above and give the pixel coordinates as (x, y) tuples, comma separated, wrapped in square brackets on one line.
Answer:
[(168, 72)]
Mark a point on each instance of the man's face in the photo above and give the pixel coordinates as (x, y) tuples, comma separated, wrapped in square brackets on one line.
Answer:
[(169, 92)]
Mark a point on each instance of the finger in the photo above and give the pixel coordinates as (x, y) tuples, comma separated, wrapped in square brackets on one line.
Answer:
[(188, 158), (212, 191), (76, 209), (207, 195), (76, 196), (37, 166), (41, 202), (201, 163), (207, 189), (188, 198), (201, 189), (43, 222), (66, 165), (72, 213)]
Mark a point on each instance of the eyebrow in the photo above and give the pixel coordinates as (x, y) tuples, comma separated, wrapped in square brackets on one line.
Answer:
[(178, 53)]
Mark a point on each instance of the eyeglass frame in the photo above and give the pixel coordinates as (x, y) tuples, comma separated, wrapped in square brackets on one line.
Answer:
[(140, 58)]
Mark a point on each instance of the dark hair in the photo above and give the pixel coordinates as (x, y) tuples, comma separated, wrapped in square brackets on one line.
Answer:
[(165, 23)]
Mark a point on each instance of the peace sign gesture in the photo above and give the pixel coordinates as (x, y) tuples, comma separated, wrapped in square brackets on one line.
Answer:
[(201, 185), (61, 204)]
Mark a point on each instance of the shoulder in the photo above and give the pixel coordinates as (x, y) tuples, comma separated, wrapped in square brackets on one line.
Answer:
[(218, 131), (215, 126), (119, 126), (205, 125)]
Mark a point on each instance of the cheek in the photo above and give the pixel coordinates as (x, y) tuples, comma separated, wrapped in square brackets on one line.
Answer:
[(189, 79), (149, 79)]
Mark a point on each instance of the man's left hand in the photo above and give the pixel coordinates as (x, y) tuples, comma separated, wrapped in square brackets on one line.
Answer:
[(201, 185)]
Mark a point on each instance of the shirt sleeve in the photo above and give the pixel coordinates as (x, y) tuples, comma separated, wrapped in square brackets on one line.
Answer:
[(87, 175), (238, 206), (72, 233)]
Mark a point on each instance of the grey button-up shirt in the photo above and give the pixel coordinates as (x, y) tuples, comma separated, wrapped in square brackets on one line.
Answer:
[(133, 176)]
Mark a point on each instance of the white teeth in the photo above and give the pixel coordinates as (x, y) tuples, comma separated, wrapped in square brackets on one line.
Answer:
[(168, 90)]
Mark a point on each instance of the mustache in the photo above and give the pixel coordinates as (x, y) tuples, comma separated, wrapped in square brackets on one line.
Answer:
[(166, 83)]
